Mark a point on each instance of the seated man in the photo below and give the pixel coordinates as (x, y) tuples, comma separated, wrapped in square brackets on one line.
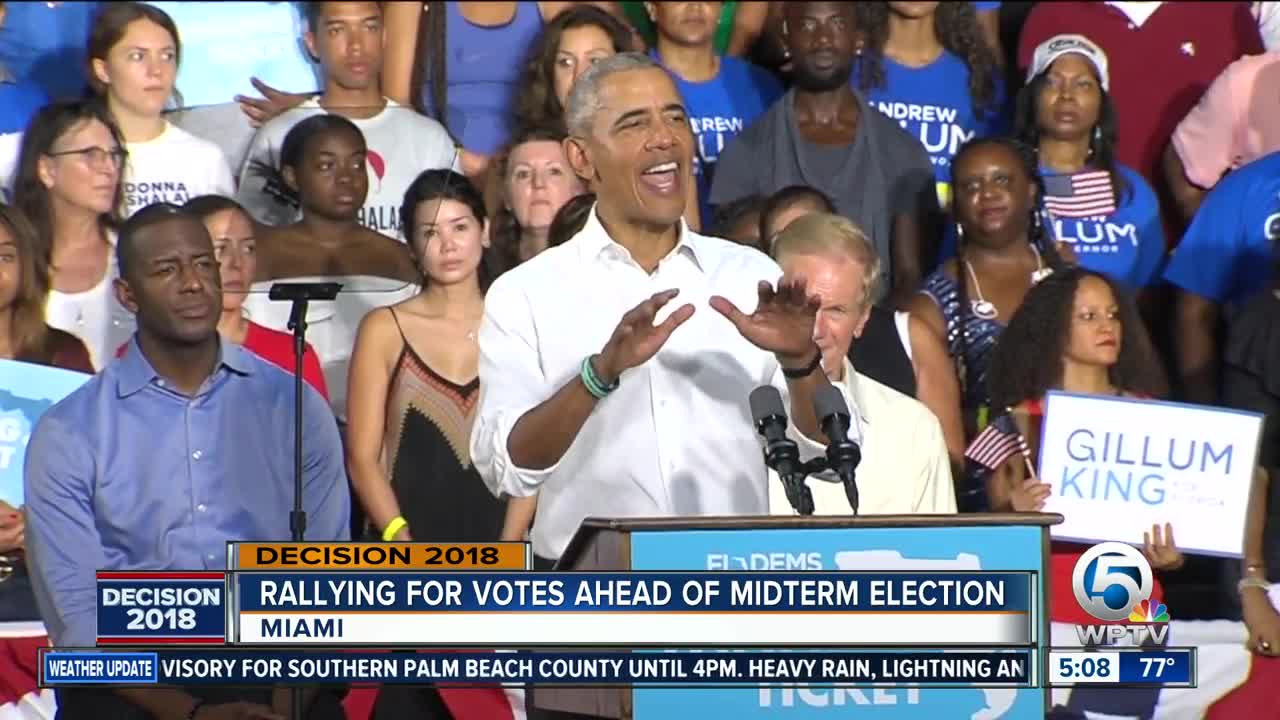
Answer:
[(180, 446), (904, 466)]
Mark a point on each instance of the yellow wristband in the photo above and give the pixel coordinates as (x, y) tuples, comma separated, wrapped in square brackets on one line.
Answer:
[(396, 525)]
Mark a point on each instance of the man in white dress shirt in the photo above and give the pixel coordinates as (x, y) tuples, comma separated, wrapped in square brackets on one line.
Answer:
[(904, 468), (596, 391)]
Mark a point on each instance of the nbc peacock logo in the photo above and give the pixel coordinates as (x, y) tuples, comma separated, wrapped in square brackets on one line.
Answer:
[(1150, 610)]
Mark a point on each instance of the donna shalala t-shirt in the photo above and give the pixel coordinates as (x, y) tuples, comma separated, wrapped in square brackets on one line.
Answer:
[(173, 168), (402, 144)]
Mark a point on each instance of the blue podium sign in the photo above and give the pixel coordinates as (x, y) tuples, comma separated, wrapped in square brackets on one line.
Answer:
[(864, 548)]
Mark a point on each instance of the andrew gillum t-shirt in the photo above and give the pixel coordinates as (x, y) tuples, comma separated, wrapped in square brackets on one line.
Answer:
[(1120, 236), (1230, 251), (719, 109), (933, 104)]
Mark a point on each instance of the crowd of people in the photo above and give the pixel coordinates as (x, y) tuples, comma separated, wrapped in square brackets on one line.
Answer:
[(574, 236)]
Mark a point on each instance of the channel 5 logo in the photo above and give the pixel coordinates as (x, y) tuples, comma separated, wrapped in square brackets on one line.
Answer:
[(1113, 582)]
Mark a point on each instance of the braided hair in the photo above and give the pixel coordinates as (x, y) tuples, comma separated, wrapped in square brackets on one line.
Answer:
[(957, 30), (1102, 140), (1037, 234)]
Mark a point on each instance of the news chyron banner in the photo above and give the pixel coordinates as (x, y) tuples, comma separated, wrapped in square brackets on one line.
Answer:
[(308, 614)]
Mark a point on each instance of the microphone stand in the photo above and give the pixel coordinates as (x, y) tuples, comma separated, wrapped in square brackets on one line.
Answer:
[(300, 294)]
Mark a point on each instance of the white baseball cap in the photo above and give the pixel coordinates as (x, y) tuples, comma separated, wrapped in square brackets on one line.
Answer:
[(1059, 45)]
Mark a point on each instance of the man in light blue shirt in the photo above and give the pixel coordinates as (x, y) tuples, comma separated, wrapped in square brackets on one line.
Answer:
[(175, 449)]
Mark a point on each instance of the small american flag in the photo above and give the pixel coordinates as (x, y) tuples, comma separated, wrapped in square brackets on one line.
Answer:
[(998, 442), (1083, 194)]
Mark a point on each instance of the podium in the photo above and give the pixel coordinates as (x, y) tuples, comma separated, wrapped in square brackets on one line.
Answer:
[(875, 542)]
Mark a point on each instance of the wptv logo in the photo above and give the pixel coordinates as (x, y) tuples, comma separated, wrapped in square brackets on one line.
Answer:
[(1113, 582)]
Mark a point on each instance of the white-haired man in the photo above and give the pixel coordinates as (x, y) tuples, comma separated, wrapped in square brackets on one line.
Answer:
[(904, 466)]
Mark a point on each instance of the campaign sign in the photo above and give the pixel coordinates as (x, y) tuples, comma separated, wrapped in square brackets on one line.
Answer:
[(917, 549), (1117, 466), (26, 392)]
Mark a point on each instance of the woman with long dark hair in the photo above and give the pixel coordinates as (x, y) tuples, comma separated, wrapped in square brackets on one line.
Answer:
[(1103, 209), (928, 65), (1002, 251), (414, 380), (1078, 332), (134, 52), (24, 290), (568, 45), (68, 184)]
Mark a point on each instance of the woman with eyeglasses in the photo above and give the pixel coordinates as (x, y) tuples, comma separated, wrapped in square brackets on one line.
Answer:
[(68, 185), (133, 64)]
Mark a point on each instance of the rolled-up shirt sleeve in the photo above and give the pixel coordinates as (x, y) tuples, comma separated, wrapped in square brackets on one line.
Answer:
[(511, 384), (64, 547)]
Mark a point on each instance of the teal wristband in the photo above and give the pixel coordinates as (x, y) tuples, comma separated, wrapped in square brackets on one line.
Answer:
[(593, 384)]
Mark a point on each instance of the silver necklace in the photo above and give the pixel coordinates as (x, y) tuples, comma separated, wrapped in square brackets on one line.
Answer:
[(985, 309)]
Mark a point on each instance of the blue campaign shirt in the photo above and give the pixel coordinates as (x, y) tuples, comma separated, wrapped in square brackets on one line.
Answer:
[(226, 43), (45, 42), (1127, 244), (19, 102), (1230, 251), (719, 109), (933, 104), (127, 474)]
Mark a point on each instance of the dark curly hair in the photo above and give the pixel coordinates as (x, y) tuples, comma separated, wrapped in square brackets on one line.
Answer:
[(955, 24), (1102, 139), (537, 104), (1027, 360)]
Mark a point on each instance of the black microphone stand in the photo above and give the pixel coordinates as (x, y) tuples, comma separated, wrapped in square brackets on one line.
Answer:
[(300, 294)]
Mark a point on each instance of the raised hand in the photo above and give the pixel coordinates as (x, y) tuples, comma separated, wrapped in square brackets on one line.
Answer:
[(636, 339), (782, 322), (1030, 496), (273, 102), (1161, 550)]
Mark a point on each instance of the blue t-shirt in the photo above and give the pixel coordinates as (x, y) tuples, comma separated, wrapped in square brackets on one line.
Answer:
[(984, 6), (719, 109), (19, 101), (933, 104), (1127, 244), (226, 43), (1230, 251), (45, 42)]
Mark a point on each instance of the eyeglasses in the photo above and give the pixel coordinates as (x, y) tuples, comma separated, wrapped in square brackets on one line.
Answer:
[(95, 155)]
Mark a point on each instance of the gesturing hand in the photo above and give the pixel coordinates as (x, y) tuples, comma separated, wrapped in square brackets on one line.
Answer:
[(636, 339), (782, 322), (273, 102), (1161, 550)]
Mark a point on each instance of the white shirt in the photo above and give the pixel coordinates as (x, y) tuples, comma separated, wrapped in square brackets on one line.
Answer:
[(10, 147), (1137, 12), (174, 167), (331, 325), (401, 142), (676, 437), (904, 470), (94, 315)]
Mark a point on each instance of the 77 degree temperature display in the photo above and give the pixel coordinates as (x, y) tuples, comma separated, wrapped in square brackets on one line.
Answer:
[(1170, 667)]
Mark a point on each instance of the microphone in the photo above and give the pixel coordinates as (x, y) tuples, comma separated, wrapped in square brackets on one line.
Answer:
[(780, 452), (843, 455)]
